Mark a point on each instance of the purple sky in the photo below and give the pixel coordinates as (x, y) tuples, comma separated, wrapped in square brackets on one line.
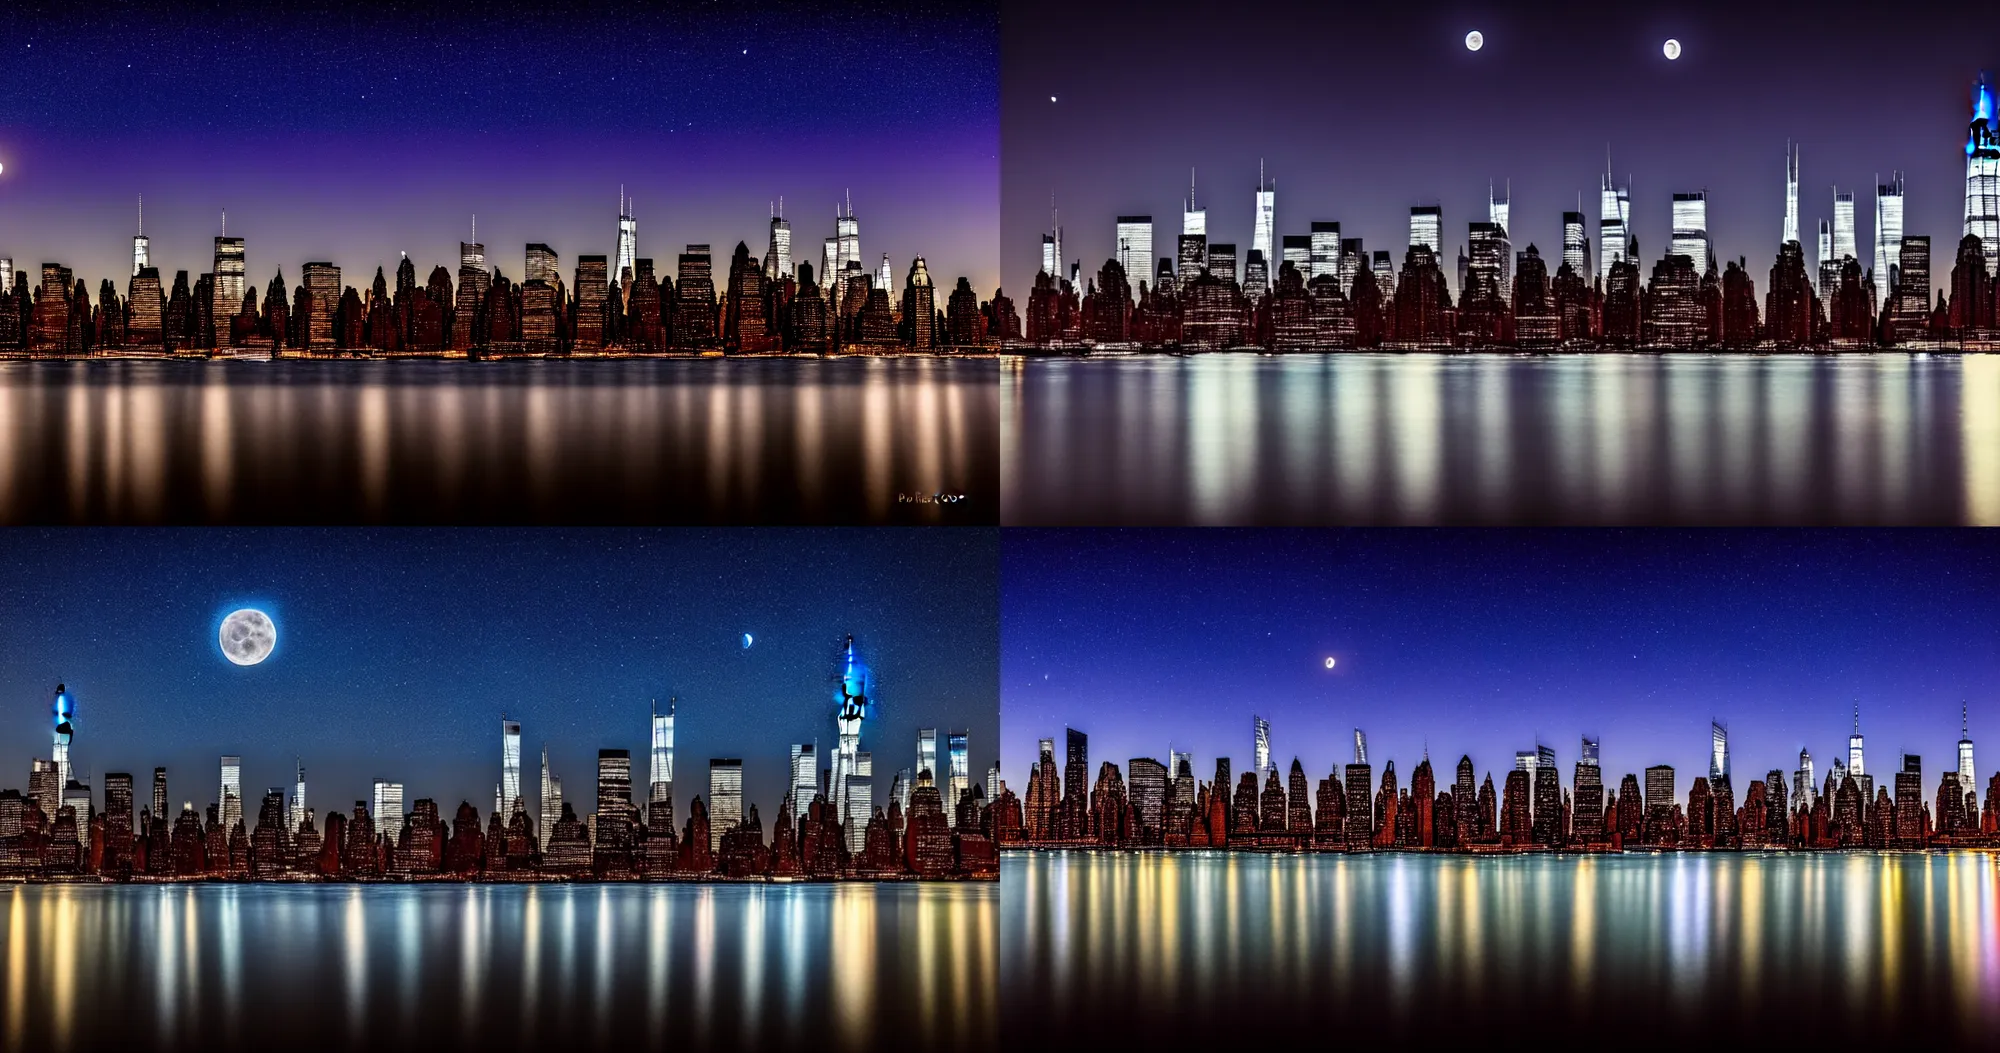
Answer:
[(1362, 111), (1482, 641), (386, 131)]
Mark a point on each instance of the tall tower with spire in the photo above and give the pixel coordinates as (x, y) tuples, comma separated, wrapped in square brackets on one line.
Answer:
[(1888, 235), (1965, 768), (853, 769), (64, 709), (1614, 222), (1791, 231), (1854, 766), (628, 240), (778, 257), (142, 246), (663, 752), (1982, 172), (1266, 219)]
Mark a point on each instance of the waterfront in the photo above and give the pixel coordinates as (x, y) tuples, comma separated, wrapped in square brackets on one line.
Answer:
[(837, 441), (1420, 439), (498, 968), (1636, 950)]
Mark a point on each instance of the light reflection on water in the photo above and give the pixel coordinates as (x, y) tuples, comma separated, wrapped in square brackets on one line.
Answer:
[(499, 967), (1425, 947), (1249, 440), (656, 440)]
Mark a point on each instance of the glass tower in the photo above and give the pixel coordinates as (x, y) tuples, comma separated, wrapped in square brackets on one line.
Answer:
[(1718, 752), (1843, 226), (1589, 751), (662, 787), (232, 792), (961, 772), (510, 769), (1690, 236), (626, 259), (805, 776), (388, 807), (1982, 174), (1360, 747), (1614, 220), (1576, 245), (1427, 228), (1267, 207), (1888, 235), (1965, 769), (1854, 744), (778, 258), (927, 751), (551, 799), (1135, 250), (852, 768), (298, 813), (141, 247), (1260, 747), (65, 729), (725, 798), (1325, 249)]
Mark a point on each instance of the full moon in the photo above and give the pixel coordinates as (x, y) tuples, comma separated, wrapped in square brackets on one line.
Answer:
[(748, 640), (1672, 49), (1475, 40), (1329, 662), (247, 636)]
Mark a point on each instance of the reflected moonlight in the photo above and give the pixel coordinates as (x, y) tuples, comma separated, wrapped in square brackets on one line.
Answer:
[(247, 636)]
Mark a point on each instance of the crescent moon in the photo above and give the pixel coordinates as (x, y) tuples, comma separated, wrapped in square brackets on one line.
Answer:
[(748, 640)]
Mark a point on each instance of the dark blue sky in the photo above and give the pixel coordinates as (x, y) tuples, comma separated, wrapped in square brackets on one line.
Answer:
[(1363, 110), (330, 131), (1482, 641), (398, 652)]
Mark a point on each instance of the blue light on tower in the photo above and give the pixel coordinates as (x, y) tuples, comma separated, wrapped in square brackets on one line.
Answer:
[(65, 711)]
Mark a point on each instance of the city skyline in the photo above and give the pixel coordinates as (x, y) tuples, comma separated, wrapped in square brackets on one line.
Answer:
[(1508, 641), (1714, 120), (579, 678), (727, 111)]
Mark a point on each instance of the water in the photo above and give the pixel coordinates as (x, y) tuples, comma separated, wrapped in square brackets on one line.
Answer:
[(504, 967), (429, 441), (1234, 439), (1194, 948)]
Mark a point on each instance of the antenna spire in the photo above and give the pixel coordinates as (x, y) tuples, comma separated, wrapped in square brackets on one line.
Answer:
[(225, 222), (142, 213)]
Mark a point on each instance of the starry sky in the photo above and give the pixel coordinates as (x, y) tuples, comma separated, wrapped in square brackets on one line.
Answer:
[(353, 133), (398, 652), (1361, 111), (1483, 641)]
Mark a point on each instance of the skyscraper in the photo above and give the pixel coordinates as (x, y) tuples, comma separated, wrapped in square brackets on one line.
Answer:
[(1266, 218), (160, 792), (1325, 259), (1982, 174), (1718, 752), (1854, 743), (293, 818), (805, 775), (1135, 255), (388, 807), (228, 288), (614, 799), (142, 252), (1888, 235), (1427, 228), (1193, 247), (1614, 220), (231, 796), (1360, 747), (961, 772), (1498, 211), (551, 800), (927, 752), (847, 230), (778, 258), (1791, 228), (1829, 265), (1260, 748), (1576, 245), (852, 796), (662, 785), (64, 709), (1690, 231), (1194, 220), (509, 794), (542, 264), (1965, 768), (1804, 787), (1843, 226), (725, 798), (625, 260)]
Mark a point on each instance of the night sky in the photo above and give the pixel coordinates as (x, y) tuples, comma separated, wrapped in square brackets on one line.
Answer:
[(353, 133), (399, 651), (1398, 112), (1481, 641)]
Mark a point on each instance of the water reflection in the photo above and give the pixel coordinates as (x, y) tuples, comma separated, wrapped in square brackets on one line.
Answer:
[(499, 968), (786, 440), (1664, 948), (1488, 439)]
